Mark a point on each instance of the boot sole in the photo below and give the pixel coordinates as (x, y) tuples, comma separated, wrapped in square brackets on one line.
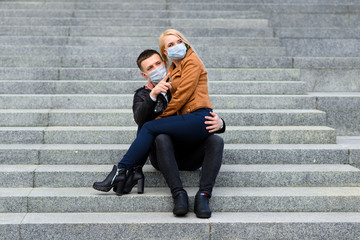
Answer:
[(203, 215), (102, 189), (181, 212)]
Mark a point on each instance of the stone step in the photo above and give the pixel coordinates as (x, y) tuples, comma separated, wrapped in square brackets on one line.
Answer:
[(322, 47), (329, 74), (155, 31), (300, 7), (214, 74), (274, 199), (120, 117), (210, 59), (123, 135), (119, 87), (331, 79), (130, 6), (69, 176), (317, 32), (121, 101), (124, 52), (316, 20), (152, 225), (113, 31), (34, 31), (213, 1), (118, 13), (36, 13), (131, 41), (329, 63), (342, 111), (164, 22), (233, 153)]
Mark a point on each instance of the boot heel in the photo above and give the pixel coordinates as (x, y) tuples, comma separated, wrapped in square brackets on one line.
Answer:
[(120, 188), (140, 185), (135, 176)]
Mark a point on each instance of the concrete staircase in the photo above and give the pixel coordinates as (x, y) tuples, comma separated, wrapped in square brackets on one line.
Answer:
[(67, 77)]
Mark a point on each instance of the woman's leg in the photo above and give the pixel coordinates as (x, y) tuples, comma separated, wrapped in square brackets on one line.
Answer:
[(189, 128)]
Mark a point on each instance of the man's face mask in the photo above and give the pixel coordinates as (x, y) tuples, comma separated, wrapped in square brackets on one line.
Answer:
[(157, 74)]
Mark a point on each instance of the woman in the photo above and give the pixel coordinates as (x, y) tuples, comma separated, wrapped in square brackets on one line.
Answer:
[(183, 119)]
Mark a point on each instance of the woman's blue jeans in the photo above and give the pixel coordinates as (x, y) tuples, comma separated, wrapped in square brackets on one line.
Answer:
[(188, 129)]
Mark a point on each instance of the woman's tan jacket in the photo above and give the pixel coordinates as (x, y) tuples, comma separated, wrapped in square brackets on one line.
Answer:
[(189, 86)]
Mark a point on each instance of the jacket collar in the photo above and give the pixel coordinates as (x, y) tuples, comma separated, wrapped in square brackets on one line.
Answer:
[(149, 85)]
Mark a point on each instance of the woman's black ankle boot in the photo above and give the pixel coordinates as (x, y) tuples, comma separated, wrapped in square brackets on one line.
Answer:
[(181, 203), (201, 208), (135, 176), (120, 179), (112, 180)]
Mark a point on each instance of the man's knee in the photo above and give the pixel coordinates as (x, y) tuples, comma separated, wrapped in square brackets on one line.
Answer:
[(162, 140), (215, 141)]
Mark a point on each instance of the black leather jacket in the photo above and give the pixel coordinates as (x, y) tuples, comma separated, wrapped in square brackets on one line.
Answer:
[(145, 109)]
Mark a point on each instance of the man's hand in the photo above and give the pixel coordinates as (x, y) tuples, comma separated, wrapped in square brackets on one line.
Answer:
[(162, 86), (214, 122)]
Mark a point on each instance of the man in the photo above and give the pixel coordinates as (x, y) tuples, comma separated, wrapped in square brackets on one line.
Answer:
[(168, 156)]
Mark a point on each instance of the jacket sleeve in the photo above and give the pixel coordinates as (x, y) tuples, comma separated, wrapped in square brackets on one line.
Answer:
[(143, 107), (222, 130), (189, 80)]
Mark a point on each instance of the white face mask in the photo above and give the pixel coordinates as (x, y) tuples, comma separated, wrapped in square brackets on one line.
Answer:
[(157, 74), (177, 52)]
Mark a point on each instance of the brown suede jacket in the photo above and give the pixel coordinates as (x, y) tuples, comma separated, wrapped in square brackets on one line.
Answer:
[(189, 86)]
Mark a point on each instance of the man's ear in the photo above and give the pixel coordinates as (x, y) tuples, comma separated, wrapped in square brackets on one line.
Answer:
[(145, 75)]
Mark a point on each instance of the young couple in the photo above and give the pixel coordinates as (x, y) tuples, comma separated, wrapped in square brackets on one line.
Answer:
[(176, 126)]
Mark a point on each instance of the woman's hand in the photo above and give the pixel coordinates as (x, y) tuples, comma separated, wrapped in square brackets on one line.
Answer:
[(162, 86), (214, 122)]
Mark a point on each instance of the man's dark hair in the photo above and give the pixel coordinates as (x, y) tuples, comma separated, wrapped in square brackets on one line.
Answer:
[(145, 55)]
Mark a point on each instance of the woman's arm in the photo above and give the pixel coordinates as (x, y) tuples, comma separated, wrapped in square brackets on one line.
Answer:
[(189, 80)]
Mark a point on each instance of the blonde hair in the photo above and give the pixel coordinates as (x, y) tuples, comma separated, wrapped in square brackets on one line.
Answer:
[(162, 42)]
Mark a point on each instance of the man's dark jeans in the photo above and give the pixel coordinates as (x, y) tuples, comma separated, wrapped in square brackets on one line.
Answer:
[(170, 157)]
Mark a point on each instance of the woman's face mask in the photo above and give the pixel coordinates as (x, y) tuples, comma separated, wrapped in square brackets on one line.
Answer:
[(177, 52), (157, 74)]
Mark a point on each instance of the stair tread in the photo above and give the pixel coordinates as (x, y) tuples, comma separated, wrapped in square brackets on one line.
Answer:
[(224, 168), (339, 146), (161, 217), (218, 192), (119, 128), (105, 110)]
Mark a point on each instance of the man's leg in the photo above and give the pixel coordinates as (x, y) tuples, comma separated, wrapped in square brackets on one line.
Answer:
[(165, 159), (214, 147), (208, 155), (166, 162)]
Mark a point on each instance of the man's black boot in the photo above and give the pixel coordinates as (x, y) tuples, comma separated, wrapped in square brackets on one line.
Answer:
[(181, 203), (201, 208)]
